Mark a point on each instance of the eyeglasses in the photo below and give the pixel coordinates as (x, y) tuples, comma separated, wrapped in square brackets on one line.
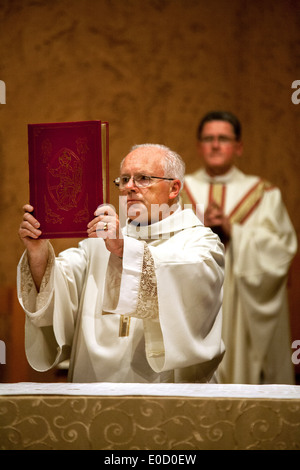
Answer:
[(221, 139), (140, 181)]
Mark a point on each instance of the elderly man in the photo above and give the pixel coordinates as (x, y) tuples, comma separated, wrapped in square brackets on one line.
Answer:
[(137, 304), (249, 215)]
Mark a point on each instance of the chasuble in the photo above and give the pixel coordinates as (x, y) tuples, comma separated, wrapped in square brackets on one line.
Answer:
[(152, 316), (256, 329)]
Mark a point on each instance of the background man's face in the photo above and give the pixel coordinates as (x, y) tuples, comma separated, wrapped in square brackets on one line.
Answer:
[(218, 147)]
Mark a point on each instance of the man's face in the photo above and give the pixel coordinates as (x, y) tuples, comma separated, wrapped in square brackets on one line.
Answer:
[(142, 203), (218, 147)]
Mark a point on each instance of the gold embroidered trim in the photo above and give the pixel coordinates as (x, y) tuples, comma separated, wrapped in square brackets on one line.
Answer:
[(27, 283), (147, 306)]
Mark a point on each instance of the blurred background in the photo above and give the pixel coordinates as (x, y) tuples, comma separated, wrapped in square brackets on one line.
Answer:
[(151, 68)]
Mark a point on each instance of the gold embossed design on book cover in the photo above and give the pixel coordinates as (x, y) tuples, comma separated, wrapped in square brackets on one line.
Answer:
[(68, 175)]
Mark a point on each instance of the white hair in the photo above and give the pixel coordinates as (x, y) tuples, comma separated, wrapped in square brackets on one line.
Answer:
[(174, 166)]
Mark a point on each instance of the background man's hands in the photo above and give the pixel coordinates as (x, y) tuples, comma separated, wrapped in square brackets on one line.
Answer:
[(218, 222)]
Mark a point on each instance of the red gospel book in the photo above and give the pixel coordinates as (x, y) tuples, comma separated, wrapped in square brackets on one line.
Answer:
[(68, 175)]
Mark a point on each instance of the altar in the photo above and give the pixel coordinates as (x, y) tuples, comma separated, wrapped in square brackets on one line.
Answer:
[(161, 417)]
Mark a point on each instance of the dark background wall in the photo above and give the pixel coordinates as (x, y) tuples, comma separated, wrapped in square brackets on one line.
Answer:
[(151, 68)]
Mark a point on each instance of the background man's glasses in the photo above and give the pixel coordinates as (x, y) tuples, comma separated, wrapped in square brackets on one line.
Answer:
[(140, 181), (221, 139)]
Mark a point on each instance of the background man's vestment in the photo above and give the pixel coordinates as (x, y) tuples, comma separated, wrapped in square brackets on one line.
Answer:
[(169, 284), (263, 242)]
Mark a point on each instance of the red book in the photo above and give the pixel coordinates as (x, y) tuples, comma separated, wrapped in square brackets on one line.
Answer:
[(68, 175)]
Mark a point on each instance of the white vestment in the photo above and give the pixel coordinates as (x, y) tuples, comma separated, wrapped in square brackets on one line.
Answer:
[(263, 242), (168, 284)]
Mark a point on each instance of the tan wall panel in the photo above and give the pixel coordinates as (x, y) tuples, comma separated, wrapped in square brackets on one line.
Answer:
[(151, 68)]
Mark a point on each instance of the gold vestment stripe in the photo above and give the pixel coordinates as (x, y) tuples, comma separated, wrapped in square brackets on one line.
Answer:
[(187, 198), (246, 206), (217, 194)]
